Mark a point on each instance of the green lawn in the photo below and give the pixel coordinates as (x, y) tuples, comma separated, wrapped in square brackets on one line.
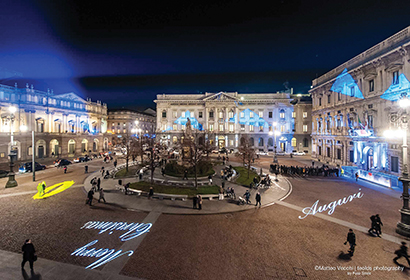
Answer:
[(122, 173), (190, 191), (243, 179)]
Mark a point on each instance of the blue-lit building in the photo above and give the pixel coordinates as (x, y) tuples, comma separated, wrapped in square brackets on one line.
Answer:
[(229, 116), (65, 125), (355, 103)]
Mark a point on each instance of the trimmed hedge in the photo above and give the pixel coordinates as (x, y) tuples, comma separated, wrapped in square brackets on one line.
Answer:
[(204, 169)]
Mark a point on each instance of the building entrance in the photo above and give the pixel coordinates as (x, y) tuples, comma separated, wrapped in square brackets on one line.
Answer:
[(221, 143)]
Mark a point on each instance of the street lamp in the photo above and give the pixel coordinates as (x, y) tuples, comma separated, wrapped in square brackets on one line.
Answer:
[(403, 226), (12, 153), (24, 128), (275, 133)]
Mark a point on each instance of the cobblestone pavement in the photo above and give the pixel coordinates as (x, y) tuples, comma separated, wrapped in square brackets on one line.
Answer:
[(267, 243)]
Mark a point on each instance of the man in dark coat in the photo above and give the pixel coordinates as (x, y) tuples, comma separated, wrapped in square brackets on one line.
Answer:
[(151, 192), (402, 252), (258, 199), (351, 238), (378, 225), (28, 254), (90, 196), (98, 183), (373, 228), (194, 202)]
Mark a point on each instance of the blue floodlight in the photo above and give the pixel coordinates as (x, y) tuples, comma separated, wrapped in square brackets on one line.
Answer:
[(397, 89), (345, 84), (194, 122)]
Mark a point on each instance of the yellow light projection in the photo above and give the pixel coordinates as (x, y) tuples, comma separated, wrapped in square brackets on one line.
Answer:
[(50, 191)]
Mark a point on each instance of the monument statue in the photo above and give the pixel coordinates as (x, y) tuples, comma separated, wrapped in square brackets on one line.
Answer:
[(188, 127)]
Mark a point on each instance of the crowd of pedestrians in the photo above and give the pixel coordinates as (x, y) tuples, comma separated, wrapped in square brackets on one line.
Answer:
[(325, 170)]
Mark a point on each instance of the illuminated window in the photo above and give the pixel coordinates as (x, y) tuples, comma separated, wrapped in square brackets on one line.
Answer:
[(251, 114), (175, 113), (261, 128), (260, 114), (371, 85), (183, 127), (304, 115), (230, 115), (395, 77), (294, 115), (221, 114), (270, 115), (231, 128), (293, 142), (124, 131), (305, 128), (183, 114), (352, 91), (174, 139), (211, 127), (174, 127), (242, 127), (250, 127), (242, 114), (230, 142), (282, 128), (221, 127), (282, 114)]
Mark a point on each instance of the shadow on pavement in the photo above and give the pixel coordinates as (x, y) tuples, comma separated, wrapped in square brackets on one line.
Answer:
[(344, 256), (33, 275), (181, 206)]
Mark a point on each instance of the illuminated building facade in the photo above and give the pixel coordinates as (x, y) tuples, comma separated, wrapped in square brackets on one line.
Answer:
[(65, 125), (355, 103), (228, 116), (129, 122)]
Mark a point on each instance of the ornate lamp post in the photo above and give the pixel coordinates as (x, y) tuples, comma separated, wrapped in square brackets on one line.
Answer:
[(12, 153), (275, 133)]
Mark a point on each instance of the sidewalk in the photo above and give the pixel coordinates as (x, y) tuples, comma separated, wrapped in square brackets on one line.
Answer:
[(277, 191)]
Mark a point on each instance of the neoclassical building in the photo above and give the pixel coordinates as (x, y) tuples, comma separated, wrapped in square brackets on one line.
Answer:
[(355, 103), (124, 121), (65, 125), (230, 115)]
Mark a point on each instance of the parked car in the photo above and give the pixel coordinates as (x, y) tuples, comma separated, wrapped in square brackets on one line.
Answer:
[(62, 162), (4, 173), (27, 167), (300, 153), (263, 153), (281, 153), (82, 159)]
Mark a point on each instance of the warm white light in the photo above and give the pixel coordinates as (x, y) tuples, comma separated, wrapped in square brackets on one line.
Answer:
[(404, 102), (241, 97), (23, 128), (397, 133), (270, 133), (12, 109), (274, 123), (299, 95), (277, 133), (136, 122)]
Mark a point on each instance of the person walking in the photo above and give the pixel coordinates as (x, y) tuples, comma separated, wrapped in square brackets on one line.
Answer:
[(98, 183), (372, 230), (378, 225), (151, 192), (221, 193), (65, 169), (402, 252), (101, 196), (102, 171), (28, 254), (233, 193), (357, 176), (351, 238), (90, 196), (199, 202), (194, 202), (86, 169), (258, 199), (115, 163), (247, 195), (210, 179)]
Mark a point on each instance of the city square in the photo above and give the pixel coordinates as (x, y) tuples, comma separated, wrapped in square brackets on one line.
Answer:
[(214, 140)]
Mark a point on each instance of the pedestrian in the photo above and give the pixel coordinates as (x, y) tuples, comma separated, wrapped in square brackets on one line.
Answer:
[(357, 176), (43, 185), (233, 193), (372, 230), (210, 179), (258, 199), (101, 196), (402, 252), (90, 197), (247, 195), (28, 254), (140, 174), (223, 184), (194, 202), (98, 183), (151, 192), (351, 238), (115, 163), (378, 225), (86, 169), (221, 193), (102, 171), (126, 186), (163, 171), (65, 169), (199, 202)]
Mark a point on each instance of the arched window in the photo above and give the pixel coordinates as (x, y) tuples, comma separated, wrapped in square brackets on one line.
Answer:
[(270, 142), (260, 142), (174, 139), (293, 142), (251, 142), (282, 113)]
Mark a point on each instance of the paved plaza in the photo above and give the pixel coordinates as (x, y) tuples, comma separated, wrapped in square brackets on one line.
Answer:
[(222, 241)]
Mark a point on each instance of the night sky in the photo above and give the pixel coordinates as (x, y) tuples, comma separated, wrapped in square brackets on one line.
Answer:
[(125, 52)]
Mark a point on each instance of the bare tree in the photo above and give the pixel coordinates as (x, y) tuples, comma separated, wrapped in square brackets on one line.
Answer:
[(246, 152)]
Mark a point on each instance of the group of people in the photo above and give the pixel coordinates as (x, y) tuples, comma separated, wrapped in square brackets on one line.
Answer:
[(258, 197), (324, 171), (96, 187), (197, 201), (227, 173)]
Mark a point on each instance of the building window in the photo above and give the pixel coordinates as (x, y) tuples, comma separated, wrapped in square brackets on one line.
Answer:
[(328, 151), (251, 114), (319, 151), (352, 91), (339, 96), (175, 114), (211, 127), (294, 115), (328, 98), (351, 156), (221, 127), (305, 128), (339, 153), (305, 142), (320, 101), (282, 114), (293, 142), (242, 115), (261, 128), (221, 114), (370, 118), (260, 114), (242, 127), (211, 114), (282, 128), (183, 114), (395, 77), (174, 139), (231, 143), (230, 114), (174, 127), (304, 115), (270, 115), (250, 127), (231, 128), (261, 142), (394, 164), (164, 114), (200, 115), (371, 85)]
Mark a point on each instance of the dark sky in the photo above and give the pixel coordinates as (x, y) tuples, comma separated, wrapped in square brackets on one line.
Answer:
[(125, 52)]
